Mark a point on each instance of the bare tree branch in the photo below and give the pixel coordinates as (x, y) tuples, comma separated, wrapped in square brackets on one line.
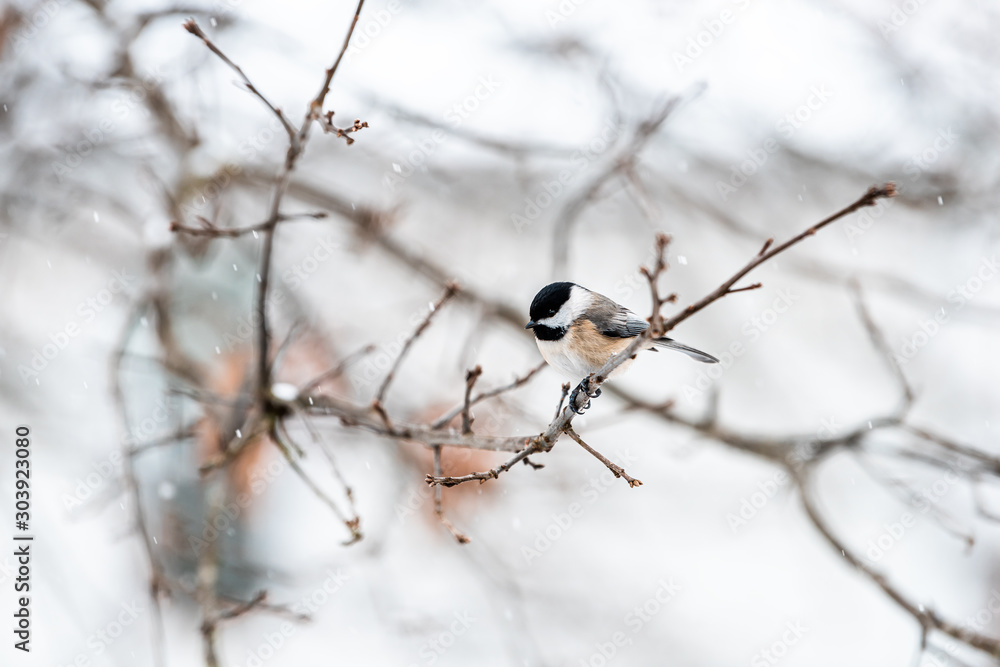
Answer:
[(446, 418), (925, 616), (438, 511), (616, 470), (881, 344), (209, 229), (868, 199), (470, 382), (620, 164), (192, 27), (449, 291)]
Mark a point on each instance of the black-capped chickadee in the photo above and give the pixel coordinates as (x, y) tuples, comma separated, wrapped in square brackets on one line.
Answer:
[(577, 330)]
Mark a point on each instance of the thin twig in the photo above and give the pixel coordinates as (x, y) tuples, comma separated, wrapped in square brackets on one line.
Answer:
[(652, 277), (337, 370), (446, 418), (326, 122), (880, 344), (244, 607), (259, 602), (353, 524), (296, 145), (621, 163), (209, 229), (926, 617), (746, 289), (450, 290), (460, 537), (323, 447), (533, 446), (562, 399), (616, 470), (316, 106), (991, 462), (192, 27), (157, 576), (353, 416), (872, 196), (470, 382)]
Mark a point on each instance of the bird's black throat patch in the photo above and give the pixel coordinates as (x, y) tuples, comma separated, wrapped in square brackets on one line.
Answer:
[(549, 333)]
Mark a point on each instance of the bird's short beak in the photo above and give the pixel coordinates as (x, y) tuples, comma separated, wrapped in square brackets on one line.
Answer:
[(530, 325)]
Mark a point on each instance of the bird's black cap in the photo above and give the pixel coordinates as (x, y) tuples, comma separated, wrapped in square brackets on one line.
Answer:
[(549, 300)]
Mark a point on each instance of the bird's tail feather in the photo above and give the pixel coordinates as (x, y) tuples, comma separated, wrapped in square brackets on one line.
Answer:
[(698, 355)]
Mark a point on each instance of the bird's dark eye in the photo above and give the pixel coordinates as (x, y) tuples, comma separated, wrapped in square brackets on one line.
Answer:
[(551, 313)]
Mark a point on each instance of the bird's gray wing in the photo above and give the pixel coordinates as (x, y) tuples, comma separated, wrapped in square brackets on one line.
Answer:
[(614, 321)]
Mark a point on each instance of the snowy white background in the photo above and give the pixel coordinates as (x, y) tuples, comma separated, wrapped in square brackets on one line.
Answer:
[(888, 95)]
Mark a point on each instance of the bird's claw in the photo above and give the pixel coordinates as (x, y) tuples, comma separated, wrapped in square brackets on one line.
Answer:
[(584, 386), (572, 402)]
